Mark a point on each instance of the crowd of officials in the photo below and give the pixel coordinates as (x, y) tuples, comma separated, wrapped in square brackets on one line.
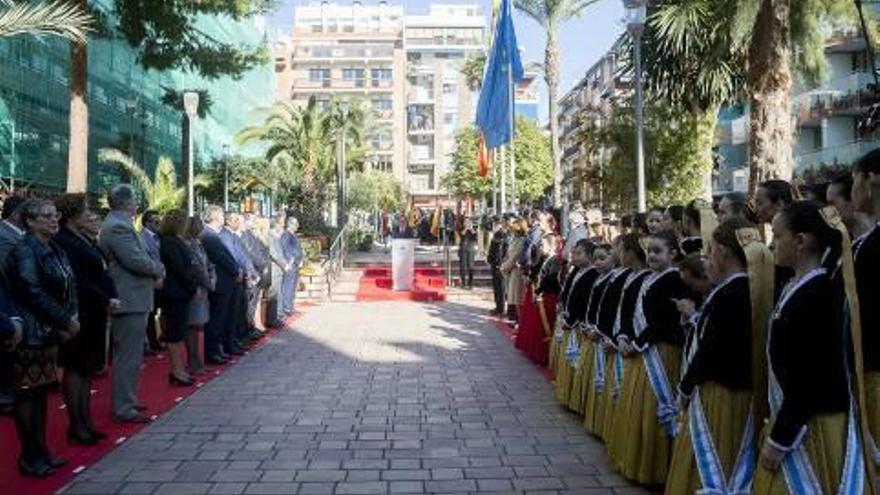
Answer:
[(724, 348), (79, 293)]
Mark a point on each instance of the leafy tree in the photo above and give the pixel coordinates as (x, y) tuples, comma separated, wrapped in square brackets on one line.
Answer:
[(373, 190), (53, 18), (534, 167), (472, 69), (345, 122), (675, 139), (551, 15), (299, 157), (161, 191), (246, 175)]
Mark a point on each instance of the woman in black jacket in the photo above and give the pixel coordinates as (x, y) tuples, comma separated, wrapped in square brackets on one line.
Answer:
[(85, 354), (44, 289), (177, 291)]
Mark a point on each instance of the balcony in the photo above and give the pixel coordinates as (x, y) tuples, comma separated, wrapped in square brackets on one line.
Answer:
[(844, 96), (418, 96), (384, 114), (841, 155), (343, 53)]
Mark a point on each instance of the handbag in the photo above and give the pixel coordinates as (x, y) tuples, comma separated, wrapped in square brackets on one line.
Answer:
[(36, 334)]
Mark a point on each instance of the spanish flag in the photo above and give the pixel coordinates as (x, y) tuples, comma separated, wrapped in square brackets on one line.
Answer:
[(484, 160)]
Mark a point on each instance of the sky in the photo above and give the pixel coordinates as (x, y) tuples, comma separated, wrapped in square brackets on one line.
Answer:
[(582, 41)]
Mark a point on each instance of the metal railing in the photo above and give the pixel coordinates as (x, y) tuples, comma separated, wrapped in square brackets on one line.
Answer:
[(335, 261)]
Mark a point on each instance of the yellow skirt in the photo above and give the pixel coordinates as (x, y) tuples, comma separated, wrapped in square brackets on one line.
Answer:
[(609, 403), (825, 443), (563, 369), (644, 447), (615, 442), (726, 414), (553, 355), (872, 403), (594, 410), (582, 376)]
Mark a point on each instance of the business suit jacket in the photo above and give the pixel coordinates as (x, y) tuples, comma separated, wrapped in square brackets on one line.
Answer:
[(151, 243), (225, 266), (236, 247), (132, 269), (277, 262), (178, 260), (291, 249), (94, 286)]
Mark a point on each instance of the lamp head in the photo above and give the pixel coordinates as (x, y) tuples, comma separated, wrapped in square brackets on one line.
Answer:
[(191, 103)]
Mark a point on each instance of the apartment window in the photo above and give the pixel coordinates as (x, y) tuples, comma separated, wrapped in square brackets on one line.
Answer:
[(319, 74), (450, 119), (356, 75), (382, 164), (383, 107), (380, 76)]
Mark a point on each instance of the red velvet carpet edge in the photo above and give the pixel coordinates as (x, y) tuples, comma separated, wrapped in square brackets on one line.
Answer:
[(156, 394)]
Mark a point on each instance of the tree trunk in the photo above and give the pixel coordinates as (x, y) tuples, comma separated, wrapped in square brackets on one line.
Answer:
[(78, 151), (769, 83), (551, 76)]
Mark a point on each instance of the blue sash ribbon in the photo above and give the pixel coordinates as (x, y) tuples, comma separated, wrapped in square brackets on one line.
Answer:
[(599, 371), (573, 349), (667, 409), (709, 463), (618, 375)]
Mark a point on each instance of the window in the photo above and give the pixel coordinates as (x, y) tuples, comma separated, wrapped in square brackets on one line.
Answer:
[(380, 76), (356, 75), (384, 107), (319, 74), (382, 164)]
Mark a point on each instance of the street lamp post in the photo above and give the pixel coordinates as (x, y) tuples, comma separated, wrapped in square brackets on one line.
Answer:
[(225, 177), (635, 25), (190, 106)]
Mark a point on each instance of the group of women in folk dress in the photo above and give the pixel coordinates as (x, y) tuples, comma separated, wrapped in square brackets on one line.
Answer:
[(750, 384)]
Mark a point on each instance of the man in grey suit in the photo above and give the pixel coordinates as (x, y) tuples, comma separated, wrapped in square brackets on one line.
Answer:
[(150, 235), (293, 255), (11, 232), (136, 275)]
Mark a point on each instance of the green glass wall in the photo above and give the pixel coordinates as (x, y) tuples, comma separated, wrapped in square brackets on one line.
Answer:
[(125, 108)]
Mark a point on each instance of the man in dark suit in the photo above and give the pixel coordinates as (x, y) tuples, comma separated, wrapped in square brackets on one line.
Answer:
[(258, 253), (402, 230), (497, 254), (11, 232), (236, 336), (151, 221), (293, 256), (229, 275)]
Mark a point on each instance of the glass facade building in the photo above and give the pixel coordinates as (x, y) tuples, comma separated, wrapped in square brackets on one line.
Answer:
[(125, 106)]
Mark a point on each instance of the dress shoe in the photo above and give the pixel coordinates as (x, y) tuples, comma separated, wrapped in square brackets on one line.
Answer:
[(178, 381), (215, 360), (81, 436), (55, 462), (37, 468), (136, 419), (98, 434)]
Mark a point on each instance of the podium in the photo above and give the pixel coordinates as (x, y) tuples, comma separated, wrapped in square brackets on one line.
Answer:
[(403, 254)]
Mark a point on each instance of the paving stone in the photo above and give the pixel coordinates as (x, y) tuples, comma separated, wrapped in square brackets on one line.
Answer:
[(364, 399)]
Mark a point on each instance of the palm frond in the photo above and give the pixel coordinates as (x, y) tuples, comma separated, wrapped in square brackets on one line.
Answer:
[(57, 18), (128, 165), (536, 9)]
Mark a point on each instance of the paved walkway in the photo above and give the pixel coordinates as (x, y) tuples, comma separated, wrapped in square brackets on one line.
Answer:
[(364, 399)]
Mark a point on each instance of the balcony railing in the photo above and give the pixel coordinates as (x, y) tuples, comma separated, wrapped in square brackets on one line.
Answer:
[(356, 53), (832, 156)]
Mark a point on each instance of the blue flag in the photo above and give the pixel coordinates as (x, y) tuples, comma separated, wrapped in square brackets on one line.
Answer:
[(495, 105)]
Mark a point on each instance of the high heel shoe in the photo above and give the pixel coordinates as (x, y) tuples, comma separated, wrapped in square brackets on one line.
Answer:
[(180, 382), (81, 436)]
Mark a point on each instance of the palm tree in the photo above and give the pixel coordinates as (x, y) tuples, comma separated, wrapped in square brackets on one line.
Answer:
[(551, 15), (161, 191), (472, 69), (57, 18), (345, 121), (300, 154), (779, 35)]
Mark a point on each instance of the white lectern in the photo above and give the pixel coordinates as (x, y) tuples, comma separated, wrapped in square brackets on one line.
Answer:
[(403, 253)]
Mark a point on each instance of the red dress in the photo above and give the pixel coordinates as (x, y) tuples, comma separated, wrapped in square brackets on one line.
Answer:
[(533, 334)]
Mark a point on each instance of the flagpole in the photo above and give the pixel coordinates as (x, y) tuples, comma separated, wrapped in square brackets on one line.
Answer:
[(494, 182), (502, 205), (511, 146)]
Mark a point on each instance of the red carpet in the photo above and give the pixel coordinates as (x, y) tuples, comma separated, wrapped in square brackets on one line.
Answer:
[(507, 329), (155, 392), (376, 285)]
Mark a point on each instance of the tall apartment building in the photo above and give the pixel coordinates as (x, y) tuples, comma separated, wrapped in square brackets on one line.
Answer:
[(125, 105), (599, 90), (404, 66)]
